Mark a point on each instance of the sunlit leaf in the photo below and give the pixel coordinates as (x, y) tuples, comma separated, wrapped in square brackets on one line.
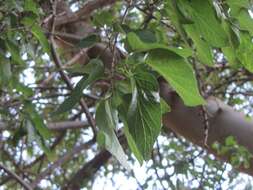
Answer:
[(204, 50), (138, 45), (178, 73)]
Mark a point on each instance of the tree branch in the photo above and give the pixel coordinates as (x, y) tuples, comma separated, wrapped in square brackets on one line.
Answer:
[(88, 170), (83, 12), (56, 126), (66, 79), (16, 177), (63, 159), (224, 122)]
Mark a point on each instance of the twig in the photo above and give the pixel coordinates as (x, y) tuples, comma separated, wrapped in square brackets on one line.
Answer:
[(16, 177), (116, 39), (66, 79), (63, 159)]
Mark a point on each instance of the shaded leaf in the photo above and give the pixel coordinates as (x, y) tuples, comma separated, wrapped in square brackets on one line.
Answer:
[(37, 31), (106, 124), (88, 41), (144, 120), (76, 94), (33, 135), (30, 5), (14, 51), (37, 121)]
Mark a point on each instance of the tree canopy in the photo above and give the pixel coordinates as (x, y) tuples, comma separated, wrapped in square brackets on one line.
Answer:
[(107, 91)]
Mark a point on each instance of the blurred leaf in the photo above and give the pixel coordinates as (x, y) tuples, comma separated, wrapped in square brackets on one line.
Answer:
[(239, 4), (245, 20), (5, 71), (14, 51), (30, 5), (103, 18), (33, 135), (37, 121), (18, 134), (146, 36), (88, 41), (165, 108), (25, 90), (244, 51), (37, 31)]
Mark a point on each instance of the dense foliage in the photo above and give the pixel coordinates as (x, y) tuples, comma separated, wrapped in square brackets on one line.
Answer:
[(57, 116)]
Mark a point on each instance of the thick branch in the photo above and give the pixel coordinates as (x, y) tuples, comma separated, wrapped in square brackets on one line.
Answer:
[(224, 122), (83, 12), (88, 170)]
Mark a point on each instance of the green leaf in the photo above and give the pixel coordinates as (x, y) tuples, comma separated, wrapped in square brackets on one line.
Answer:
[(178, 73), (88, 41), (245, 20), (146, 81), (230, 51), (238, 4), (36, 120), (132, 144), (204, 50), (101, 139), (177, 16), (146, 36), (106, 124), (206, 23), (144, 120), (37, 31), (14, 51), (5, 71), (30, 5), (123, 110), (165, 108), (244, 52), (138, 45), (25, 90), (103, 18), (76, 94), (34, 136)]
